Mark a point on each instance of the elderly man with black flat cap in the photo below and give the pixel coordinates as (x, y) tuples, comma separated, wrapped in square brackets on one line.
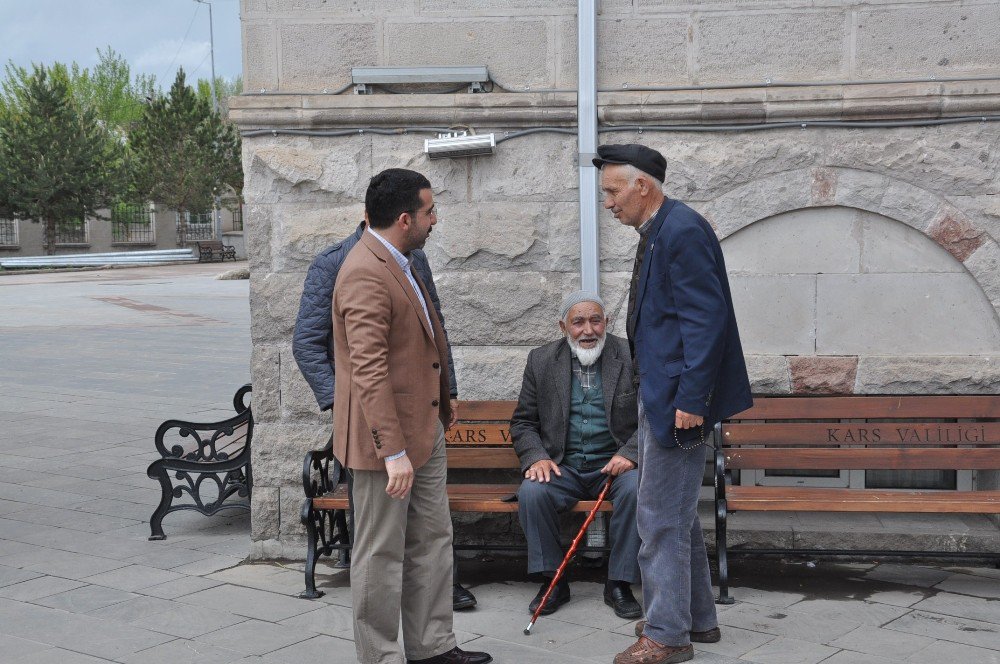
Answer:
[(691, 374), (575, 425)]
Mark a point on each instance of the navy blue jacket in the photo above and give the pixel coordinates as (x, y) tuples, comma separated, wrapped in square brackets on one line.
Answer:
[(686, 340), (312, 343)]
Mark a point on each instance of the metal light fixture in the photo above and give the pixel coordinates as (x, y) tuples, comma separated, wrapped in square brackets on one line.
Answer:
[(365, 77), (459, 144)]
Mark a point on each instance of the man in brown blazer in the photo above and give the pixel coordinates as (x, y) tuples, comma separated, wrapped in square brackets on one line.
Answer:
[(390, 410)]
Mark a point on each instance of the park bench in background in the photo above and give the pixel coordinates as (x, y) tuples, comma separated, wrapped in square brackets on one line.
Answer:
[(855, 434), (214, 250), (479, 441), (207, 462)]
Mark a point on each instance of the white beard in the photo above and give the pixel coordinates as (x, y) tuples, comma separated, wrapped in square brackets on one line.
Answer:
[(586, 356)]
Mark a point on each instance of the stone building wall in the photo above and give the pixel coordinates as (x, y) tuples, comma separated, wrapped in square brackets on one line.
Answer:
[(862, 260)]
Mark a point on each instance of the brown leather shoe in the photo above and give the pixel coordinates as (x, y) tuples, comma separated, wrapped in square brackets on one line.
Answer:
[(648, 651), (713, 635)]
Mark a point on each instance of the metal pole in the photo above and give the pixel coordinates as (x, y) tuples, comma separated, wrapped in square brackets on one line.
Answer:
[(217, 212), (590, 272)]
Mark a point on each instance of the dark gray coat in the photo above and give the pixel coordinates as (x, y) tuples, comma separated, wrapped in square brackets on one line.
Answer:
[(540, 424), (312, 342)]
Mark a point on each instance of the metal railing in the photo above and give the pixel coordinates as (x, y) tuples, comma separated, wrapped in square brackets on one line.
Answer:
[(238, 218), (9, 236), (73, 232), (200, 226), (132, 224)]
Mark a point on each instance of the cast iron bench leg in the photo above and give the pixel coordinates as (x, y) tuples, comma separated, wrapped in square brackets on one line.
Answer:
[(309, 517), (166, 499)]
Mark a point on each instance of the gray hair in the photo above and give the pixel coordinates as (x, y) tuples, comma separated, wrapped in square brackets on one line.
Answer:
[(631, 172)]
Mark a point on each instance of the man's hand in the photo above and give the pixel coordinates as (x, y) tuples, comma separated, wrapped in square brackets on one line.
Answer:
[(541, 471), (454, 413), (617, 466), (686, 420), (400, 477)]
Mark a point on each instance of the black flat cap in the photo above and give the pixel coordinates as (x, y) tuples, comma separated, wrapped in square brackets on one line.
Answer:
[(645, 159)]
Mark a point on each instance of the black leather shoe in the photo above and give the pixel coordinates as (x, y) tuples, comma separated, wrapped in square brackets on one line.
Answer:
[(559, 596), (618, 595), (461, 598), (455, 656)]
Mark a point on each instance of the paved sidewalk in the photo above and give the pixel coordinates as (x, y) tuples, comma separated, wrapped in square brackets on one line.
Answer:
[(92, 362)]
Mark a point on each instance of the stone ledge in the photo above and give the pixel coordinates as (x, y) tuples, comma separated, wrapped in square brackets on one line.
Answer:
[(697, 107)]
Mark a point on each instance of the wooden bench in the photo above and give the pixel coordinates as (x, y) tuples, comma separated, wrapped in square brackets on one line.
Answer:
[(853, 435), (212, 250), (479, 441), (208, 462)]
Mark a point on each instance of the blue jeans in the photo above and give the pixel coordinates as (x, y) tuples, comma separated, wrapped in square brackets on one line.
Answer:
[(676, 583), (539, 505)]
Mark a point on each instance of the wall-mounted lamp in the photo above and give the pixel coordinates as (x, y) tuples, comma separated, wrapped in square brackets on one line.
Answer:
[(365, 77), (459, 144)]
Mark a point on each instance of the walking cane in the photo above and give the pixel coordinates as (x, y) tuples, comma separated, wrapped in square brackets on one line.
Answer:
[(569, 555)]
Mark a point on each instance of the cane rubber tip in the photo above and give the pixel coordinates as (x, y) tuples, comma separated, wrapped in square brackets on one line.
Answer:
[(527, 631)]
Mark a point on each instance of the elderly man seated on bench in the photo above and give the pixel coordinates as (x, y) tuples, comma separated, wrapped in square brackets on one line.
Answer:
[(574, 425)]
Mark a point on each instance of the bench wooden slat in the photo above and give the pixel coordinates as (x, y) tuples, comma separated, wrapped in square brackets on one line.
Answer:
[(759, 498), (484, 457), (863, 459), (478, 434), (864, 407), (911, 434), (462, 498), (474, 411)]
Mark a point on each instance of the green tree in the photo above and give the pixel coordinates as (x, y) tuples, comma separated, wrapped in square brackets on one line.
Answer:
[(58, 165), (224, 89), (117, 99), (183, 154)]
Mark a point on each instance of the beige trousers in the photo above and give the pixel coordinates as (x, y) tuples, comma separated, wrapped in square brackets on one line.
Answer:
[(402, 562)]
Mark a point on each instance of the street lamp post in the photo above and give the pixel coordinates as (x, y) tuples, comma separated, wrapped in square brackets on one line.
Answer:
[(215, 105)]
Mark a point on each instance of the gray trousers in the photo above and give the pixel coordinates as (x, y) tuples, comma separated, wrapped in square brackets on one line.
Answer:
[(676, 583), (539, 505), (401, 563)]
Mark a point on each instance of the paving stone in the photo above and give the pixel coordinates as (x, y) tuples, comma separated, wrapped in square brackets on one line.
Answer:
[(967, 584), (909, 575), (81, 633), (255, 637), (736, 642), (850, 657), (59, 655), (876, 641), (181, 587), (961, 606), (135, 609), (947, 628), (134, 577), (61, 563), (182, 651), (770, 598), (168, 558), (39, 587), (865, 612), (85, 599), (508, 625), (524, 649), (14, 648), (789, 651), (11, 575), (785, 623), (188, 622), (249, 602), (330, 619), (326, 649), (945, 651)]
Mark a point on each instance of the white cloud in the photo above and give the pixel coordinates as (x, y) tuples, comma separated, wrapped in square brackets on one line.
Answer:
[(166, 55)]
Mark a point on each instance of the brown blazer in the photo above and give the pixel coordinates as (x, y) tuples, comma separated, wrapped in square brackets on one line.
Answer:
[(390, 388)]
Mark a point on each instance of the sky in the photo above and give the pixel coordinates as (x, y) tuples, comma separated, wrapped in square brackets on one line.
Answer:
[(154, 36)]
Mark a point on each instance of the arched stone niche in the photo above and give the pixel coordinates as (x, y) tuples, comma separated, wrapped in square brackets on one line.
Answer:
[(842, 300)]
